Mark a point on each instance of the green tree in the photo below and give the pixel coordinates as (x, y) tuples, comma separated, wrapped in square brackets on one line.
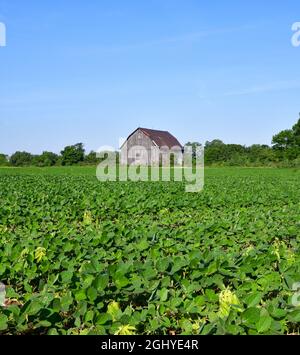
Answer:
[(91, 158), (296, 133), (73, 154), (283, 139), (215, 152), (46, 159), (214, 143), (3, 160), (261, 154), (287, 143), (21, 159)]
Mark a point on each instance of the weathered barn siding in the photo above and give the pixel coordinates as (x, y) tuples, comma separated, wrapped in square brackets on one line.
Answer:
[(140, 149)]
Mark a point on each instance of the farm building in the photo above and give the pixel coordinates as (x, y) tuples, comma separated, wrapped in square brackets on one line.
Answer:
[(148, 147)]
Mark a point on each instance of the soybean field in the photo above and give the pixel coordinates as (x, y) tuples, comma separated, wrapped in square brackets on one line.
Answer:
[(79, 256)]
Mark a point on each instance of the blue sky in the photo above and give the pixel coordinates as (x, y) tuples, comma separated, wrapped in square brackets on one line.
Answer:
[(93, 71)]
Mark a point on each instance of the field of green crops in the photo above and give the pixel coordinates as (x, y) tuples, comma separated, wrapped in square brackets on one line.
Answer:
[(82, 257)]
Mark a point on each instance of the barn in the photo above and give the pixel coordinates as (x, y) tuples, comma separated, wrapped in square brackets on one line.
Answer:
[(148, 147)]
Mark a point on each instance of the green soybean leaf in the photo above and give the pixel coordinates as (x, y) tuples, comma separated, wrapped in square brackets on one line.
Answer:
[(264, 323), (3, 322), (163, 294)]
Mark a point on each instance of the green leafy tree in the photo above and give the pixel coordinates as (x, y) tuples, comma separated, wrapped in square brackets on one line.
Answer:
[(261, 154), (21, 159), (73, 154), (283, 140), (215, 152), (3, 160), (91, 158), (287, 143), (296, 134), (214, 143), (46, 159)]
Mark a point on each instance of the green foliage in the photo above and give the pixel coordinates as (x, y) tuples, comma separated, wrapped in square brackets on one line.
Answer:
[(91, 158), (45, 159), (287, 143), (217, 152), (285, 151), (296, 133), (3, 160), (283, 140), (21, 159), (73, 154), (83, 257)]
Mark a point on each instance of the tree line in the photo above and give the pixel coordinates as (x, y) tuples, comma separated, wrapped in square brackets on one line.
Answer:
[(70, 155), (285, 151)]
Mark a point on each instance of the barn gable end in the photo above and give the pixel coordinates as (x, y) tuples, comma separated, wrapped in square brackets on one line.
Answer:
[(144, 147)]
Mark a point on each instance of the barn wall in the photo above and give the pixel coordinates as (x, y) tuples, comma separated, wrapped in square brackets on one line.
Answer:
[(139, 148)]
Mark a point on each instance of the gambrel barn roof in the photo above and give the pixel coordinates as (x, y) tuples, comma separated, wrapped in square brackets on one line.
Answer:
[(159, 138)]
